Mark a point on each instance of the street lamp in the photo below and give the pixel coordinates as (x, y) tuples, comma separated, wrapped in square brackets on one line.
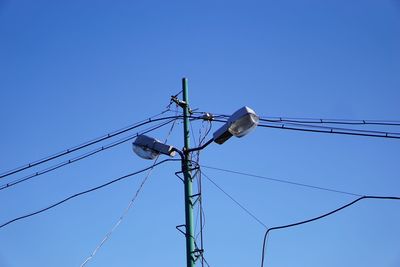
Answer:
[(149, 148), (239, 124)]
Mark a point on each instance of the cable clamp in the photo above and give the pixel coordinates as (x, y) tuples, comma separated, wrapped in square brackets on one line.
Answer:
[(180, 103), (207, 117), (197, 253)]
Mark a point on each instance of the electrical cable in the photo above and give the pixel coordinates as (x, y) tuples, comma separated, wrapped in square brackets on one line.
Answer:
[(333, 131), (235, 201), (127, 209), (282, 181), (331, 121), (322, 129), (86, 144), (318, 218), (82, 193), (318, 120), (202, 216), (83, 156), (330, 130), (338, 129)]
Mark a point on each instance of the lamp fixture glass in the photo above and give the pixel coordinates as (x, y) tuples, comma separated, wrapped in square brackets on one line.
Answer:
[(240, 123), (149, 148), (244, 125)]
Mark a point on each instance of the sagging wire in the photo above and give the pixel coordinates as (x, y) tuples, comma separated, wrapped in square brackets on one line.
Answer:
[(331, 121), (201, 213), (318, 218), (127, 209), (282, 181), (83, 193), (83, 156), (309, 127), (84, 145), (236, 202)]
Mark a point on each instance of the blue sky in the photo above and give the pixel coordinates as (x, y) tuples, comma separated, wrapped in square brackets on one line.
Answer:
[(76, 70)]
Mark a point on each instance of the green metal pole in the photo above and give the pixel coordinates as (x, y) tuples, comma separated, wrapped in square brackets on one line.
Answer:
[(186, 166)]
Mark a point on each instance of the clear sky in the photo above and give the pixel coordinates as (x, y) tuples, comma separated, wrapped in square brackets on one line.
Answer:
[(71, 71)]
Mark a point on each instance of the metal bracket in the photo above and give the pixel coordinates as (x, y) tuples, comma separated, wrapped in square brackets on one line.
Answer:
[(181, 103), (197, 196), (191, 169), (177, 175), (179, 228), (197, 253)]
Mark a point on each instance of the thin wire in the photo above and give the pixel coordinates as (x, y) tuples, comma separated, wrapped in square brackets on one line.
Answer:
[(82, 193), (127, 209), (331, 121), (318, 218), (338, 129), (237, 202), (204, 259), (83, 145), (318, 120), (282, 181), (328, 130), (83, 156), (332, 131), (202, 216)]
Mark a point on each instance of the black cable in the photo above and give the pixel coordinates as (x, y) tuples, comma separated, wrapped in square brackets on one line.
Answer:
[(83, 156), (234, 200), (331, 131), (303, 127), (339, 129), (318, 218), (344, 131), (317, 121), (331, 121), (84, 192), (282, 181), (86, 144), (130, 205)]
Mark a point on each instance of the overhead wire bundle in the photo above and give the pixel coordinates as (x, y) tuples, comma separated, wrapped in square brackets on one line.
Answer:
[(157, 121), (324, 125)]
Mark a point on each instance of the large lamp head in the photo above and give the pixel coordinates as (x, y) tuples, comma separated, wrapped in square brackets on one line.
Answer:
[(149, 148), (239, 124)]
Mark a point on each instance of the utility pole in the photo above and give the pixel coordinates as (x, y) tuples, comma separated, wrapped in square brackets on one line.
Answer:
[(187, 174), (240, 123)]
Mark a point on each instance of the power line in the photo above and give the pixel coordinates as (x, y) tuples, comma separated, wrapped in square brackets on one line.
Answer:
[(323, 129), (83, 156), (86, 144), (316, 120), (318, 218), (235, 201), (83, 192), (333, 131), (331, 121), (281, 181), (339, 129)]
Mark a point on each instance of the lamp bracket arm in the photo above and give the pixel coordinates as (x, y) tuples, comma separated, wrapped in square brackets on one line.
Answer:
[(200, 147)]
